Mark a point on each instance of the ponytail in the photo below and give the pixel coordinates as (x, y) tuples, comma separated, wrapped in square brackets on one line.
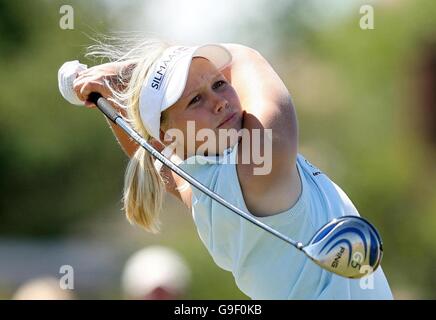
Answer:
[(143, 186), (143, 191)]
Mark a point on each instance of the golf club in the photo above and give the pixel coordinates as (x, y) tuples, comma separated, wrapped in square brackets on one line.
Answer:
[(349, 246)]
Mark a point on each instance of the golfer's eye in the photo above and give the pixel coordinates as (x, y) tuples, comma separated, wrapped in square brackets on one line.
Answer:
[(194, 100), (218, 84)]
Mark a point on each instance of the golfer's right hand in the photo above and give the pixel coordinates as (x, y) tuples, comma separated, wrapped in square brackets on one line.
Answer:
[(97, 79)]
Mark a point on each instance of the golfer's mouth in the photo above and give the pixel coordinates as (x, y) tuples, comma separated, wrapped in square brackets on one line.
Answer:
[(229, 119)]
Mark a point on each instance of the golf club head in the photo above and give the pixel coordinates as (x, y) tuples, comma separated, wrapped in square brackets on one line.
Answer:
[(349, 246)]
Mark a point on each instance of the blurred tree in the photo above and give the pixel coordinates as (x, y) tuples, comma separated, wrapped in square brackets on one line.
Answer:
[(54, 159), (14, 30)]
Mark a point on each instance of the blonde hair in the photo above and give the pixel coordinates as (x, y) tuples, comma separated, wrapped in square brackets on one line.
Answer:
[(143, 186)]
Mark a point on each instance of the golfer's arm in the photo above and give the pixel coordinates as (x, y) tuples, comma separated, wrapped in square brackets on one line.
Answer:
[(266, 100), (127, 144)]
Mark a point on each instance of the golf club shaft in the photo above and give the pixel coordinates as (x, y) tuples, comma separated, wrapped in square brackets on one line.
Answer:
[(109, 111)]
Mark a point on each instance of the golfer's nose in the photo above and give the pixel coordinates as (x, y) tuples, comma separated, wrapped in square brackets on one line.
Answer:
[(220, 104)]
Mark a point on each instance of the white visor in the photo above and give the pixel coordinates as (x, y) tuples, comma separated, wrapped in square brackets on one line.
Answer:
[(167, 78)]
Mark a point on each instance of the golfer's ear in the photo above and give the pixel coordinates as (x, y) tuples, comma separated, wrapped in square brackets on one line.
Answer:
[(156, 144), (161, 137), (161, 134), (167, 139)]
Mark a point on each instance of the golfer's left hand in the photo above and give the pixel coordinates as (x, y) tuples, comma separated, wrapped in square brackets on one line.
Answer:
[(99, 79)]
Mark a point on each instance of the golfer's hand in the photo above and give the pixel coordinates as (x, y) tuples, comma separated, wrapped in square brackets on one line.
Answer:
[(98, 79)]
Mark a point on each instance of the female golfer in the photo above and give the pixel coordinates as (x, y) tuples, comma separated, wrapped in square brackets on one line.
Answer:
[(183, 99)]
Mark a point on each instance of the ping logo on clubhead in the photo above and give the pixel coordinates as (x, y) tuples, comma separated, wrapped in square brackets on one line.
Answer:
[(356, 259), (338, 257)]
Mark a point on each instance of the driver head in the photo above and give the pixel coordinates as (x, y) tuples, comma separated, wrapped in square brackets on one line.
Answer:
[(348, 246)]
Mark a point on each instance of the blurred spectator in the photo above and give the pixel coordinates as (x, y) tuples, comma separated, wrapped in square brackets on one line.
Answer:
[(155, 273), (43, 288)]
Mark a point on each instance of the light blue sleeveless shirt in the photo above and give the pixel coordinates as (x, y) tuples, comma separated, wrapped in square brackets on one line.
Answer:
[(265, 267)]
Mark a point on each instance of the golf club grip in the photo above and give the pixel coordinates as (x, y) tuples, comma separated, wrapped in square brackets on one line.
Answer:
[(104, 106)]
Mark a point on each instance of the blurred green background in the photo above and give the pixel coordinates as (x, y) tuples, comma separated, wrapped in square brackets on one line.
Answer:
[(365, 101)]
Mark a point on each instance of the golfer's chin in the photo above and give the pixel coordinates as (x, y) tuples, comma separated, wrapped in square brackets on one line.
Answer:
[(219, 149)]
